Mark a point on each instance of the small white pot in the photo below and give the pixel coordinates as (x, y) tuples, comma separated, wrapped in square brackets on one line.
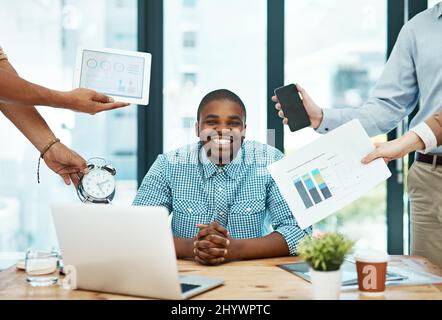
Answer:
[(326, 284)]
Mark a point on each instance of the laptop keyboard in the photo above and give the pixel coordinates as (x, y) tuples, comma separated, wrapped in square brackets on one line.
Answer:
[(187, 287)]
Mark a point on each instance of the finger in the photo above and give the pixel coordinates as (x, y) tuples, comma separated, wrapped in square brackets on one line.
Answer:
[(370, 157), (204, 226), (219, 240), (301, 89), (209, 258), (281, 114), (215, 225), (200, 261), (202, 233), (75, 179), (98, 97), (206, 232), (69, 170), (208, 248), (375, 154), (278, 106), (84, 169), (212, 228), (80, 175), (285, 121), (211, 231), (209, 263), (303, 93), (275, 99), (215, 252), (206, 244), (66, 179), (203, 244), (378, 144), (111, 106), (76, 162)]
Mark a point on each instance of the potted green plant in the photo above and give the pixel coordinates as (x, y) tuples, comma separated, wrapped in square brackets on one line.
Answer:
[(325, 256)]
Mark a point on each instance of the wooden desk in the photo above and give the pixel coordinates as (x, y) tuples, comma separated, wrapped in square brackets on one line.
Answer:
[(254, 280)]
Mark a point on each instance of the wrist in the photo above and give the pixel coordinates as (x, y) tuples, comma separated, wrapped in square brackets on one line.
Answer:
[(316, 118), (412, 142), (49, 148), (44, 153), (61, 99), (43, 142), (184, 248), (234, 251), (52, 151)]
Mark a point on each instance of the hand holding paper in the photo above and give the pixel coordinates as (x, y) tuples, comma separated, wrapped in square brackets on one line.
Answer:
[(327, 175)]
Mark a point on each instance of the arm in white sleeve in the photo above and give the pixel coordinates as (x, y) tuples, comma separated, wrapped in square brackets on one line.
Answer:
[(427, 135)]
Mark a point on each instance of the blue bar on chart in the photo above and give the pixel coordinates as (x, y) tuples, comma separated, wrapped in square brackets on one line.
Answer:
[(311, 188), (303, 193), (321, 183)]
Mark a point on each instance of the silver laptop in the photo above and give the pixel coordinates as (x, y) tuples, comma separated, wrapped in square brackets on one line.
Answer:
[(124, 250)]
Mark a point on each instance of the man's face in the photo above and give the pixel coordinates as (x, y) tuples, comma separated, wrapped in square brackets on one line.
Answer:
[(222, 130)]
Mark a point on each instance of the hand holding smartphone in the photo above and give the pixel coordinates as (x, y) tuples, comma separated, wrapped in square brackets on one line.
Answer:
[(293, 107)]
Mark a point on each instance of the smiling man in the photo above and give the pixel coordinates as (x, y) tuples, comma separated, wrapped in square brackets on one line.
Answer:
[(224, 203)]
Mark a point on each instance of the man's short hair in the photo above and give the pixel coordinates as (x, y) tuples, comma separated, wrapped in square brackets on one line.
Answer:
[(221, 94)]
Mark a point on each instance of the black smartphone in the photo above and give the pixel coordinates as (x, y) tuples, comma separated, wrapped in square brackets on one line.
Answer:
[(293, 107)]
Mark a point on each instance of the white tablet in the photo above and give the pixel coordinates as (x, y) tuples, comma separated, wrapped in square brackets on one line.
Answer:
[(122, 75)]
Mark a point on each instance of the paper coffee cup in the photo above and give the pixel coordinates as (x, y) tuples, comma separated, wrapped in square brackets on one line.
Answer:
[(371, 267)]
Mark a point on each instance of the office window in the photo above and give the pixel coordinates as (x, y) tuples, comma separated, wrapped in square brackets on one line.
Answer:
[(189, 123), (41, 38), (189, 79), (432, 3), (189, 3), (189, 39), (228, 55), (337, 50)]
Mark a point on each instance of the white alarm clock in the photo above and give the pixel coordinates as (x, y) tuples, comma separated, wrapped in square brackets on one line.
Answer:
[(98, 186)]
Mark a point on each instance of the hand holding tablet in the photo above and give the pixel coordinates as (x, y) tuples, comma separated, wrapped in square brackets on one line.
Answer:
[(90, 101), (121, 75)]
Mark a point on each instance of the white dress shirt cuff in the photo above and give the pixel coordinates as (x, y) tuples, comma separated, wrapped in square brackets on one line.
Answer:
[(427, 135)]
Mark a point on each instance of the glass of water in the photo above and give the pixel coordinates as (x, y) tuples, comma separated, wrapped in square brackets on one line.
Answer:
[(42, 268)]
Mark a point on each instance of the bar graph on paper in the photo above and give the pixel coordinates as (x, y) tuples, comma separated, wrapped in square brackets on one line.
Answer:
[(327, 175), (312, 188)]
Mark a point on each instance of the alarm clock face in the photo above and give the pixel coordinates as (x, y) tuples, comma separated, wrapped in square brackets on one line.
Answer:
[(99, 184)]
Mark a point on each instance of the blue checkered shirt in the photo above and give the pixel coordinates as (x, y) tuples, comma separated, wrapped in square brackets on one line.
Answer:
[(241, 196)]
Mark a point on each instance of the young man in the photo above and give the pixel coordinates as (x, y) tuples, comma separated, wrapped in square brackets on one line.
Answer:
[(224, 203)]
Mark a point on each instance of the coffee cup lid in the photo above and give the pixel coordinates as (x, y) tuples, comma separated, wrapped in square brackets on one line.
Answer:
[(373, 256)]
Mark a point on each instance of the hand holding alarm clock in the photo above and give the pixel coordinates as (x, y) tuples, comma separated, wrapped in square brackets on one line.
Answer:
[(97, 186)]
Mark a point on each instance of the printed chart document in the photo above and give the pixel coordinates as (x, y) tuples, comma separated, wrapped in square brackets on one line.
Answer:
[(327, 175)]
